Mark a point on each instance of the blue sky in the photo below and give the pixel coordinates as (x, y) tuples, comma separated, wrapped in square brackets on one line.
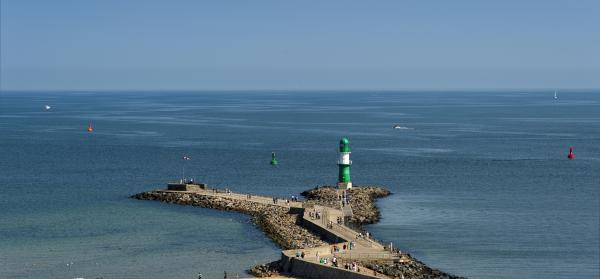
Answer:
[(298, 45)]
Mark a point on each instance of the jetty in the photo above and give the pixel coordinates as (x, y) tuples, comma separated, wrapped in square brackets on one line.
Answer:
[(319, 235)]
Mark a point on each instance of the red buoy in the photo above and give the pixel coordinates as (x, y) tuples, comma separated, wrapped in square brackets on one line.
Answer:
[(571, 155), (90, 129)]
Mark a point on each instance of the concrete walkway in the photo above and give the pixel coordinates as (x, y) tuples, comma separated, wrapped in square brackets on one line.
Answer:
[(239, 196)]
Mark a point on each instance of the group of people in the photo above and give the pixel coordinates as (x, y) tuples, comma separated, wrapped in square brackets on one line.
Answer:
[(392, 249), (344, 203), (225, 275), (300, 254), (314, 214), (335, 263), (287, 201), (333, 260), (330, 225), (352, 266), (326, 260), (227, 191), (343, 198), (350, 246), (366, 235)]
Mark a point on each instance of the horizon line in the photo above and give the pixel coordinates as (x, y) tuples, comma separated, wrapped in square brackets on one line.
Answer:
[(300, 90)]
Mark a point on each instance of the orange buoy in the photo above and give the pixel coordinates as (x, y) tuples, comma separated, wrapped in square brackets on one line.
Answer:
[(90, 128), (571, 155)]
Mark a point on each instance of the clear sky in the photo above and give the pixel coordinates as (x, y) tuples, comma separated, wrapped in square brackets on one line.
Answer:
[(298, 45)]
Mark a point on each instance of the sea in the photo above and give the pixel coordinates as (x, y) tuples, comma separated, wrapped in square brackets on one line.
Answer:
[(481, 183)]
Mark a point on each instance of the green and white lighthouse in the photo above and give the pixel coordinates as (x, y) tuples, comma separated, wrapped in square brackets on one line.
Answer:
[(344, 165)]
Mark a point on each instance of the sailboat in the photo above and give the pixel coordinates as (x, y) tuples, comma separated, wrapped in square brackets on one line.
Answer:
[(555, 95), (90, 128)]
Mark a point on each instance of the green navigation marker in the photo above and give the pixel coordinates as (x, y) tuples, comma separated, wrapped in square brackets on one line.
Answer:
[(273, 159)]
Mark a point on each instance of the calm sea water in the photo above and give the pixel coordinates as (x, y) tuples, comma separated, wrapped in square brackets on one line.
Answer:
[(482, 187)]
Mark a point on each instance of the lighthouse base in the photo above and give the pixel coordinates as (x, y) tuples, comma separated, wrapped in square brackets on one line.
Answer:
[(344, 185)]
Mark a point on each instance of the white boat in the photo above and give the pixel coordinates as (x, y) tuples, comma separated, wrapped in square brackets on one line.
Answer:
[(397, 126), (48, 107), (555, 95)]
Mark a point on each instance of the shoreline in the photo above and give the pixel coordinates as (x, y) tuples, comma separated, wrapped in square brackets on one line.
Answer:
[(297, 228)]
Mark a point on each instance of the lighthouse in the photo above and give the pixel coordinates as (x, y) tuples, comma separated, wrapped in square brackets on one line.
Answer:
[(344, 165)]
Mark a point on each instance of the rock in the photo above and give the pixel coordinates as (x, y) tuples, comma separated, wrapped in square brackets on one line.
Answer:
[(411, 268), (324, 195), (266, 270)]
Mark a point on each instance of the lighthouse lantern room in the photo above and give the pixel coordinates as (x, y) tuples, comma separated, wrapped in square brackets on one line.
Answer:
[(344, 163)]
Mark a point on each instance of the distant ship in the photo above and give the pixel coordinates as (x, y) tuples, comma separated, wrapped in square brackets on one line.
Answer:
[(48, 107), (90, 128), (555, 95)]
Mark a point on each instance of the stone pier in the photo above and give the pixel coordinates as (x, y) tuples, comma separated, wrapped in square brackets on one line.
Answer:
[(316, 228)]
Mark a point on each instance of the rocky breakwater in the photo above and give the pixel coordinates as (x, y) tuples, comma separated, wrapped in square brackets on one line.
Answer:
[(276, 221), (266, 270), (364, 209), (408, 268)]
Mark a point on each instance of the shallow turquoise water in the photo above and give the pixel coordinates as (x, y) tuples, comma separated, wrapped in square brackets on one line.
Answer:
[(482, 187)]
